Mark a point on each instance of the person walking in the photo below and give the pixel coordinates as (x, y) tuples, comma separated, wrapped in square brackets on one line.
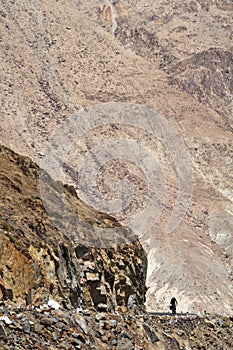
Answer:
[(173, 304)]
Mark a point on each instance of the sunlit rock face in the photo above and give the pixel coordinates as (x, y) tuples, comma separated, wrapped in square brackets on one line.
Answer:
[(37, 262)]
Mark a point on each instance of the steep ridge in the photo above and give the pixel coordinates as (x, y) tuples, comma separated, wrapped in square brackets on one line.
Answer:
[(190, 40), (208, 77)]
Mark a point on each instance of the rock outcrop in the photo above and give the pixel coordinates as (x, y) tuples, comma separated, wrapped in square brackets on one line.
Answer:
[(38, 262)]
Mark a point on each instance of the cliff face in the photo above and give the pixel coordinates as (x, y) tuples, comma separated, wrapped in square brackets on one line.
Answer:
[(37, 262)]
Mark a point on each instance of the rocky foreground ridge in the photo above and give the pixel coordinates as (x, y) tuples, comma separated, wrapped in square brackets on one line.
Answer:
[(49, 329), (57, 292)]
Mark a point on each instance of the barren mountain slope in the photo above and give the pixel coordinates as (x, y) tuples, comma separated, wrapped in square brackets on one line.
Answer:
[(191, 40), (59, 56)]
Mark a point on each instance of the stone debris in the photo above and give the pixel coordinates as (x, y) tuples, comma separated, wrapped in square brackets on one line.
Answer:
[(3, 334), (33, 328), (5, 319)]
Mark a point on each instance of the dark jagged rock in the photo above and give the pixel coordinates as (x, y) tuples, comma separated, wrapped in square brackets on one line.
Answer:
[(208, 77), (3, 334)]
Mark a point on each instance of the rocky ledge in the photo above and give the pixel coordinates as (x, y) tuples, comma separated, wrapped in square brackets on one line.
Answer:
[(50, 327)]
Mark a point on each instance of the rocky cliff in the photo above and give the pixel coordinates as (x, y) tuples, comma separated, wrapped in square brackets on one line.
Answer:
[(37, 262)]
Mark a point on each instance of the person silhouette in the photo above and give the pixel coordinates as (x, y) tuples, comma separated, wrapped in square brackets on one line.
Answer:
[(173, 304)]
